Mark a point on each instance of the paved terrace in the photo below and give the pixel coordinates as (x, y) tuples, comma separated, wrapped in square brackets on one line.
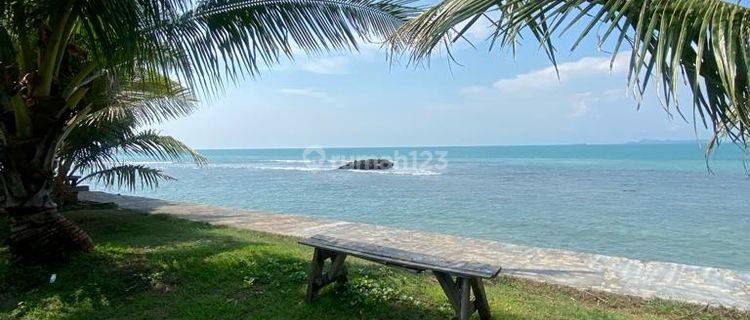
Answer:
[(580, 270)]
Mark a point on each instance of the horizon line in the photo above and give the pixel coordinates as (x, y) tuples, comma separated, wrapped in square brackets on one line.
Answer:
[(642, 141)]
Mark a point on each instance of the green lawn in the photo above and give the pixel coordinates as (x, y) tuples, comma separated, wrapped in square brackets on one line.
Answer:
[(156, 267)]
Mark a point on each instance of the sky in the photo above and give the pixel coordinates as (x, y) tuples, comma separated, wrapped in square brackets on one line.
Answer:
[(485, 98)]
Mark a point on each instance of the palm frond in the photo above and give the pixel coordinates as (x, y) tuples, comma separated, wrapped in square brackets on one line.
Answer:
[(140, 111), (144, 98), (166, 148), (100, 154), (129, 176), (202, 42), (143, 108), (106, 132), (698, 45), (199, 42)]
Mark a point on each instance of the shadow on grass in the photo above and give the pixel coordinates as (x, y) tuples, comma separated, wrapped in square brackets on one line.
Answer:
[(146, 267), (157, 267)]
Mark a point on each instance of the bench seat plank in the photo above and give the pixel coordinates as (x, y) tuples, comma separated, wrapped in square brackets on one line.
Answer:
[(404, 258)]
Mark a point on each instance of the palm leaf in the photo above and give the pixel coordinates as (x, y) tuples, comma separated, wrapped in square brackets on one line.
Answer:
[(129, 176), (144, 102), (199, 42), (102, 153), (704, 43), (106, 132), (166, 148), (202, 42)]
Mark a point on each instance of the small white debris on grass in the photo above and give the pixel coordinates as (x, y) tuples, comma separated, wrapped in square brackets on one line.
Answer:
[(53, 278)]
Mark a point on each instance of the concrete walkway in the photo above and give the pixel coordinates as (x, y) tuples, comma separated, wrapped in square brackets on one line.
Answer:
[(580, 270)]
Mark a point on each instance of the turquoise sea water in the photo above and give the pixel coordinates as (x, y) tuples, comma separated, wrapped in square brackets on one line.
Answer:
[(645, 201)]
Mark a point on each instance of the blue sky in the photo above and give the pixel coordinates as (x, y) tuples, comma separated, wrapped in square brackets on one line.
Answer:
[(491, 98)]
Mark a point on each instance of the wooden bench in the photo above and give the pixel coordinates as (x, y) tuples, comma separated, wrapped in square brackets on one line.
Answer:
[(459, 279)]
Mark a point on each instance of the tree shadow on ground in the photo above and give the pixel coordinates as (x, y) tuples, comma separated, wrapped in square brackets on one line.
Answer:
[(146, 267), (158, 267)]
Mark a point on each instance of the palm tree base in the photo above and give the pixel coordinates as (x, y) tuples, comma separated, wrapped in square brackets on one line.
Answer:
[(43, 235)]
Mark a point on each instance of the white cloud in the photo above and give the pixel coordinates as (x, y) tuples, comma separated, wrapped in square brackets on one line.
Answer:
[(583, 89), (332, 65), (582, 102), (470, 90), (581, 106), (306, 92), (547, 77)]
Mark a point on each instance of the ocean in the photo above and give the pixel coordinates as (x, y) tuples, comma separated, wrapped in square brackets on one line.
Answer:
[(646, 201)]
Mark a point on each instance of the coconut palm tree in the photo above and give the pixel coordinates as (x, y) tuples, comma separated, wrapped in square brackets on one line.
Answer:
[(97, 146), (53, 52), (698, 45)]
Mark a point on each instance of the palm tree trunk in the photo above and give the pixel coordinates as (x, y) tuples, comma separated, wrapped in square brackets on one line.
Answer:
[(43, 235), (38, 232)]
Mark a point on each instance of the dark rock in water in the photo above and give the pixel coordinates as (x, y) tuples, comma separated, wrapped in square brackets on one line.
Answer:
[(369, 164)]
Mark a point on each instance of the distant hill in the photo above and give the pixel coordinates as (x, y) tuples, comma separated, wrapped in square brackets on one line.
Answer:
[(653, 141)]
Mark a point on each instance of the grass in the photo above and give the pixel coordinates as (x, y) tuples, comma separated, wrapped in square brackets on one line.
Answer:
[(157, 267)]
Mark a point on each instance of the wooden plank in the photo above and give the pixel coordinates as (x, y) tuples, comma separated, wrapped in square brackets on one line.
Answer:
[(404, 258)]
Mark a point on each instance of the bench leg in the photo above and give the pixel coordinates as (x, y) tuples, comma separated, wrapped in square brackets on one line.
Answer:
[(467, 307), (338, 269), (316, 274), (459, 292), (450, 289), (318, 279), (480, 298)]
